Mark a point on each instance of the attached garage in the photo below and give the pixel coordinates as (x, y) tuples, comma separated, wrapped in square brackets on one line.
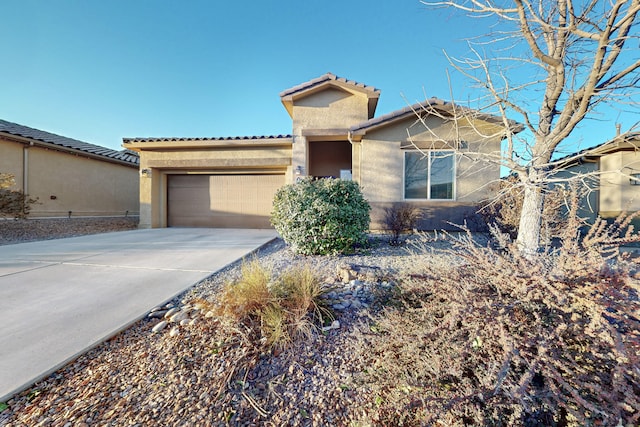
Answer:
[(225, 201), (211, 182)]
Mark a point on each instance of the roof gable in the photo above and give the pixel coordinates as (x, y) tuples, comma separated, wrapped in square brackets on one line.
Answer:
[(69, 144), (324, 82), (431, 106)]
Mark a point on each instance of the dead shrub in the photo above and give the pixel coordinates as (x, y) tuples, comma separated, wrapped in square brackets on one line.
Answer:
[(504, 211), (400, 218), (500, 339), (13, 203), (276, 309)]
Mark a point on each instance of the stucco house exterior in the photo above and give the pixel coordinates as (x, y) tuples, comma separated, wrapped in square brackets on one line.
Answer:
[(613, 171), (419, 154), (67, 176)]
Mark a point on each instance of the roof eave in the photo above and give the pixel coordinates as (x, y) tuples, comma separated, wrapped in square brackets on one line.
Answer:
[(412, 110), (141, 144), (62, 149), (289, 96)]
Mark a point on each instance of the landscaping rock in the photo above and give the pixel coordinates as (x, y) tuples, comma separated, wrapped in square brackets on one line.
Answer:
[(171, 312), (157, 314), (178, 316), (346, 273), (159, 326)]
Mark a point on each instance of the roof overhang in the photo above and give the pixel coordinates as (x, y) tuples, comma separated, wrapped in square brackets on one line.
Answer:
[(625, 142), (31, 142), (432, 106), (142, 144), (329, 80)]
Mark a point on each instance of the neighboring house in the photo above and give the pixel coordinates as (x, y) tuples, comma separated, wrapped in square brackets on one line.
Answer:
[(418, 154), (612, 171), (67, 176)]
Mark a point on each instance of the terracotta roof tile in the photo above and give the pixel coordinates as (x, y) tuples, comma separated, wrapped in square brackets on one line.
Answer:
[(436, 104), (188, 139), (324, 78), (408, 110)]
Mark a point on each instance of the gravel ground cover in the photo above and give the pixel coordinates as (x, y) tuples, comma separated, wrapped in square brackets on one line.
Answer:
[(29, 230), (180, 366), (184, 373)]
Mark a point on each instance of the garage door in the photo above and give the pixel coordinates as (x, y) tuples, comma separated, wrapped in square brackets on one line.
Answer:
[(227, 201)]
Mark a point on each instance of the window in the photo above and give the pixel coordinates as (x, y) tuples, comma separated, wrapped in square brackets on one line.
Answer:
[(635, 179), (429, 175)]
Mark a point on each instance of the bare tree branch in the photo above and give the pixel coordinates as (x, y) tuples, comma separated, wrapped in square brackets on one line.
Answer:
[(585, 57)]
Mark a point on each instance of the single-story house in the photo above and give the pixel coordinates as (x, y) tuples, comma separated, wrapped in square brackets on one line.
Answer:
[(611, 170), (420, 154), (67, 176)]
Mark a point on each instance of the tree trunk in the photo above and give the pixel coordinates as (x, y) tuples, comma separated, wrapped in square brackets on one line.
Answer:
[(528, 239)]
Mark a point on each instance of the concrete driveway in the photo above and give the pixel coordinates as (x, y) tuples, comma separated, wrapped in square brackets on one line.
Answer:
[(58, 298)]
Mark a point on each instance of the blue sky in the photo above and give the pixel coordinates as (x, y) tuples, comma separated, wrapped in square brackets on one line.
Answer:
[(99, 71)]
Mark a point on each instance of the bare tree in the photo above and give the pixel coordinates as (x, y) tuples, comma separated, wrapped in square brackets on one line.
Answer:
[(574, 59)]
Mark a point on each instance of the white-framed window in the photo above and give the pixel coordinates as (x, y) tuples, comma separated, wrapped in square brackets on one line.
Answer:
[(635, 179), (429, 175)]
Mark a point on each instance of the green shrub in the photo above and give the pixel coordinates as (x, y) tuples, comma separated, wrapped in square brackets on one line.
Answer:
[(319, 217)]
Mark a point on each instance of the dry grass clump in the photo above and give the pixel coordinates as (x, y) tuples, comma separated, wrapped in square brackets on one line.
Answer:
[(480, 336), (260, 313), (277, 309)]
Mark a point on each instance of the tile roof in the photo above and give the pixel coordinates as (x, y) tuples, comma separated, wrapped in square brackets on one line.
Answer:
[(325, 78), (432, 103), (123, 156), (188, 139), (625, 142), (406, 111)]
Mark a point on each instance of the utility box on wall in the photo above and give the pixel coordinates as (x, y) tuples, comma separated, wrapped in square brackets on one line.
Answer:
[(345, 174)]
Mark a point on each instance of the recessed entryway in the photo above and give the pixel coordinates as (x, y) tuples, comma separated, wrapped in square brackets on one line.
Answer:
[(329, 158)]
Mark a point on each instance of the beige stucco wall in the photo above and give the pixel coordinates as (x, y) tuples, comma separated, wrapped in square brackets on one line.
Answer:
[(616, 192), (330, 109), (204, 157), (327, 114), (379, 167), (11, 161), (222, 157), (64, 182), (81, 185), (381, 161)]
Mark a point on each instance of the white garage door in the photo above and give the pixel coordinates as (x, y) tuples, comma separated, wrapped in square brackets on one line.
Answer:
[(226, 201)]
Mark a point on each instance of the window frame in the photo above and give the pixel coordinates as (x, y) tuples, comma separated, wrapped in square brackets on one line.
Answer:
[(427, 154)]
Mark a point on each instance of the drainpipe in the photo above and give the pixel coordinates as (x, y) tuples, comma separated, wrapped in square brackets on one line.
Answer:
[(25, 168)]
